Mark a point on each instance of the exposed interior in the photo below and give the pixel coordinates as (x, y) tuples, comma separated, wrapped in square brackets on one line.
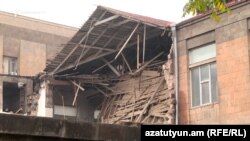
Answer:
[(11, 97), (115, 70)]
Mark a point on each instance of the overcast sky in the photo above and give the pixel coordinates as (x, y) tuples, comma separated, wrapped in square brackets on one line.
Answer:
[(75, 12)]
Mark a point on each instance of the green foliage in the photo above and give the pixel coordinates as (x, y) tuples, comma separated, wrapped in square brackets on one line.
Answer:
[(195, 7)]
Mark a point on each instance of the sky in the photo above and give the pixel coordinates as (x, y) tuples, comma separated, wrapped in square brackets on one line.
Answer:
[(75, 12)]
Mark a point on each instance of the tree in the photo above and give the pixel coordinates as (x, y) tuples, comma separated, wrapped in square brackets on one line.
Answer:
[(195, 7)]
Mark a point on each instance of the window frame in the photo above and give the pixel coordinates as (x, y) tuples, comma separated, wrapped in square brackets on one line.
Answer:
[(10, 61), (65, 106), (198, 65)]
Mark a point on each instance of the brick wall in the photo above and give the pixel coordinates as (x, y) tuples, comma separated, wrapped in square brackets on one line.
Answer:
[(231, 37)]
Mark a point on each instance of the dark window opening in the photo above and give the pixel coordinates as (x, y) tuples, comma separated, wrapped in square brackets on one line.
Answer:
[(11, 98)]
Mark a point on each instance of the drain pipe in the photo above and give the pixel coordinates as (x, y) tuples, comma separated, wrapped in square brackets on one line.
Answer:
[(174, 39)]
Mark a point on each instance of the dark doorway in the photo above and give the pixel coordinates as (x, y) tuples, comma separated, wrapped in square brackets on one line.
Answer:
[(11, 97)]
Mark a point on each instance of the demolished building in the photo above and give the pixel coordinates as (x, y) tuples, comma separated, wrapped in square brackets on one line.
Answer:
[(122, 68), (117, 69)]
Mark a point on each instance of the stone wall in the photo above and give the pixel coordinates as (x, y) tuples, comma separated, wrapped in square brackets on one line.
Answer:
[(231, 36)]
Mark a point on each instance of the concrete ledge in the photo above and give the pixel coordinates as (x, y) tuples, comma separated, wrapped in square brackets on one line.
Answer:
[(56, 128)]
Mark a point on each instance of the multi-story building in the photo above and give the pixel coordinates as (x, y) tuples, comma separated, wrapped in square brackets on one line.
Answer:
[(213, 66), (26, 45), (210, 60), (212, 79)]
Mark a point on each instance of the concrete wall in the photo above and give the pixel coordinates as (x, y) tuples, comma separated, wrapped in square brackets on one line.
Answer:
[(32, 58), (231, 36), (33, 42), (37, 128)]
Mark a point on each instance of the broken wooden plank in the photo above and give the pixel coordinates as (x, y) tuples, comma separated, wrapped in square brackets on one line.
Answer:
[(138, 52), (126, 62), (113, 91), (101, 91), (144, 44), (88, 49), (111, 67), (97, 48), (150, 73), (151, 98), (63, 107), (97, 56), (72, 51), (125, 44), (58, 82), (80, 87), (76, 46), (106, 20), (119, 23), (102, 66), (76, 94), (146, 64)]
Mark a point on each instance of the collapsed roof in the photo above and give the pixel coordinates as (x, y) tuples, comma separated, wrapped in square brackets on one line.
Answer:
[(103, 34), (132, 54)]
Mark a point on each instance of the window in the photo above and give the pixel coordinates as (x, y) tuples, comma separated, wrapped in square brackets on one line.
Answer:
[(65, 110), (203, 74), (10, 65)]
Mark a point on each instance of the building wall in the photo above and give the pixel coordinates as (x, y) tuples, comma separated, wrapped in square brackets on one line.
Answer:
[(27, 89), (33, 42), (32, 57), (231, 36)]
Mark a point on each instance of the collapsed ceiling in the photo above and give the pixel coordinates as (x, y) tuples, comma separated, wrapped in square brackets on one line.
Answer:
[(118, 57)]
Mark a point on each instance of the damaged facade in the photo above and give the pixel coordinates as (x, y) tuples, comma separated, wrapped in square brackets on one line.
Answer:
[(122, 68), (114, 70), (26, 46)]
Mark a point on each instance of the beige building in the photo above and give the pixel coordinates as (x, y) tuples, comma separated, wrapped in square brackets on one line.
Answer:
[(214, 76), (26, 45)]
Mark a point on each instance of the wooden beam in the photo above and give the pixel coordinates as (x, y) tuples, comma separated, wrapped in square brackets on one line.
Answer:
[(63, 107), (72, 51), (93, 47), (126, 62), (92, 44), (113, 91), (58, 82), (107, 43), (120, 23), (144, 43), (101, 91), (151, 98), (124, 45), (138, 52), (76, 46), (102, 66), (111, 67), (106, 20), (80, 87), (100, 56), (146, 64), (76, 94)]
